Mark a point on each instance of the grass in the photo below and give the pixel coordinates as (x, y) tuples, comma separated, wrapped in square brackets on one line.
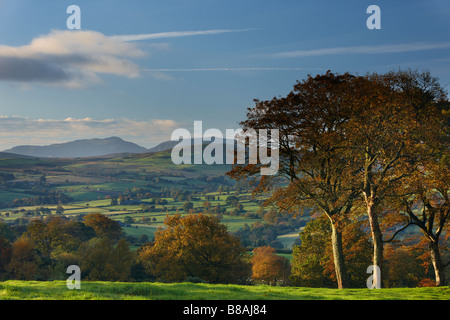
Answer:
[(7, 197), (57, 290), (288, 240), (136, 232), (14, 163)]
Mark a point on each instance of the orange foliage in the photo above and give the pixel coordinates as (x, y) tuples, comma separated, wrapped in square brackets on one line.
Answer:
[(268, 267), (195, 246)]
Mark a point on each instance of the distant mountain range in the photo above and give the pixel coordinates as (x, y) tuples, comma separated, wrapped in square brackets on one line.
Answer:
[(87, 148), (79, 148)]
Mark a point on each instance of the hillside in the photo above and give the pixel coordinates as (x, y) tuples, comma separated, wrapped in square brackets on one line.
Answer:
[(7, 155), (79, 148), (149, 184), (92, 178)]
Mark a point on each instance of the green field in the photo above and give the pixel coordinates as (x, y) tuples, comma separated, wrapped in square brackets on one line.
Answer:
[(119, 212), (57, 290)]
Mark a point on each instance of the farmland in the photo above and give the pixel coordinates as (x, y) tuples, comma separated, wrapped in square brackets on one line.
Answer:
[(137, 190)]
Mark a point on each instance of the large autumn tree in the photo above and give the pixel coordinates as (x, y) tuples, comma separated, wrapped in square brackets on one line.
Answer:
[(195, 246), (315, 168)]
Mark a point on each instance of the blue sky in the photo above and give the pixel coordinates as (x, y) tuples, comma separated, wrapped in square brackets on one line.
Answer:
[(140, 69)]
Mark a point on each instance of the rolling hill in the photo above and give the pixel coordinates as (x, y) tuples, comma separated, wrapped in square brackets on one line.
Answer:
[(79, 148)]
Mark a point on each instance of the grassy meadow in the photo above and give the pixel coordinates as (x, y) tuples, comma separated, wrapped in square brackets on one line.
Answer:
[(57, 290)]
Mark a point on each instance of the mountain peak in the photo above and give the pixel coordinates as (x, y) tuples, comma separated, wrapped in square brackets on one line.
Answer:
[(114, 138)]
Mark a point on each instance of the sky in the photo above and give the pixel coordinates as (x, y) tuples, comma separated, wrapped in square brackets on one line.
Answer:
[(141, 69)]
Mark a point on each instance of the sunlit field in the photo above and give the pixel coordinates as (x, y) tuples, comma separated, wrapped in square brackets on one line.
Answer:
[(57, 290)]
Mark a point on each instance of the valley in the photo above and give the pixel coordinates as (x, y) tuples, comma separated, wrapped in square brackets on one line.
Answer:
[(139, 191)]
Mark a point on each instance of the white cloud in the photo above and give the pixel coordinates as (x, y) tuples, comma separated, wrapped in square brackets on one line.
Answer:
[(26, 131), (392, 48), (68, 58)]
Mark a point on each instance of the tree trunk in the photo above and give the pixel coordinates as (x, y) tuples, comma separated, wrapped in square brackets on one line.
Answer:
[(377, 238), (437, 263), (338, 256)]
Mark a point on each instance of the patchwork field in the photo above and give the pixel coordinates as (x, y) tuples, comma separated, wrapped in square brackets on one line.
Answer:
[(120, 212)]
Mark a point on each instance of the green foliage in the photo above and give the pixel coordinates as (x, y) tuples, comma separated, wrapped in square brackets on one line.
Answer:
[(312, 262), (187, 206), (6, 232), (101, 260), (309, 259)]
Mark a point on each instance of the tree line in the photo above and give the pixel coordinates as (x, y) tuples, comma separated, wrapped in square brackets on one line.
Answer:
[(372, 148), (195, 248)]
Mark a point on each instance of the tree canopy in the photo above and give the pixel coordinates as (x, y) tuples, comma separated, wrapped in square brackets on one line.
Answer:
[(349, 141), (195, 246)]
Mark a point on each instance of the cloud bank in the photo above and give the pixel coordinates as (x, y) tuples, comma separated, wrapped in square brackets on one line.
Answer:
[(68, 58)]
